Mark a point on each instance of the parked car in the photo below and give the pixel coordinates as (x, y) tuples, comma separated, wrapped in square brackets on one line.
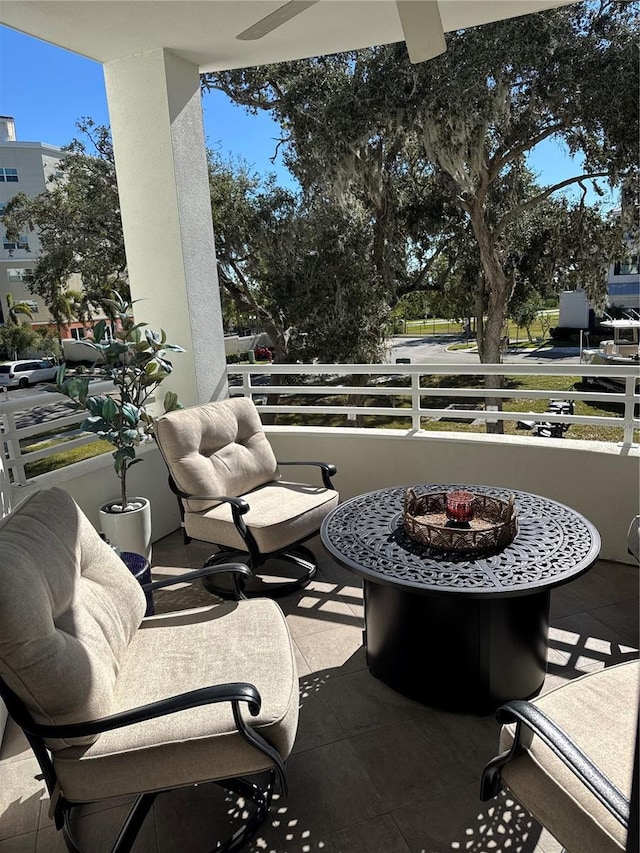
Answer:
[(27, 372)]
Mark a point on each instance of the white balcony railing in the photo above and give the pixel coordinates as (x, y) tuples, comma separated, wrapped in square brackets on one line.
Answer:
[(23, 418), (255, 383), (45, 415)]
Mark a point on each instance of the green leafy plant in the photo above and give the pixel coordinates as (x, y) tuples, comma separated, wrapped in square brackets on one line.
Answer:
[(135, 361)]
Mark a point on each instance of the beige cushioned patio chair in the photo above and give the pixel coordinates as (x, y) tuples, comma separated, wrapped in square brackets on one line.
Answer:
[(574, 773), (570, 757), (114, 704), (231, 494)]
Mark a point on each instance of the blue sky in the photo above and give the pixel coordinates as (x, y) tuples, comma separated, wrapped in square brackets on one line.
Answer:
[(47, 89)]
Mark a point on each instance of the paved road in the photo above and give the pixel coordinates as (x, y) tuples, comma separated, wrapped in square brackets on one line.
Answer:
[(434, 349), (48, 410), (17, 393)]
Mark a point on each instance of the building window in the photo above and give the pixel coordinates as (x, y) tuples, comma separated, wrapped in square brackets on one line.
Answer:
[(9, 175), (16, 274), (628, 267), (21, 243)]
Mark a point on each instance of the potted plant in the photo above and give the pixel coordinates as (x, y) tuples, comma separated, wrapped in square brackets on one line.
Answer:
[(135, 361)]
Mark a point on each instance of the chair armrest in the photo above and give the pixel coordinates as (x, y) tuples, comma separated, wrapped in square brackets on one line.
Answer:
[(328, 470), (633, 537), (239, 571), (232, 692), (238, 508), (530, 720), (237, 504)]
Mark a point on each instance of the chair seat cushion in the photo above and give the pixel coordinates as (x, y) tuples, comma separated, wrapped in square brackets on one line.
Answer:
[(599, 713), (234, 641), (280, 514)]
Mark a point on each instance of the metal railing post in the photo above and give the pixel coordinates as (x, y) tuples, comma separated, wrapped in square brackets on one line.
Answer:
[(629, 407), (415, 400), (12, 454), (246, 385)]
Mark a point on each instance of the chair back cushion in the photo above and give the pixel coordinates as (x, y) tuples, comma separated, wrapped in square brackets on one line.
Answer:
[(216, 449), (68, 610)]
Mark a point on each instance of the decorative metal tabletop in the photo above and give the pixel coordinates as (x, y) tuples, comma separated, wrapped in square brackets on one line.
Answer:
[(554, 544)]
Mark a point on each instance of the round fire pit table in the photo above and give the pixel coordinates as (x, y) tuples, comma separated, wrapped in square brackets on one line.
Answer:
[(454, 630)]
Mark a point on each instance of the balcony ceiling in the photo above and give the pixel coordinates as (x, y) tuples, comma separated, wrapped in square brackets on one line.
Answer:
[(205, 32)]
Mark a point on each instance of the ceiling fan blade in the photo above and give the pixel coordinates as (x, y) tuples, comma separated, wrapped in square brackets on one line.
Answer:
[(275, 19), (422, 28)]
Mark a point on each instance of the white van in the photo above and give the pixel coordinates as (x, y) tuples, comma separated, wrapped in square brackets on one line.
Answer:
[(27, 372)]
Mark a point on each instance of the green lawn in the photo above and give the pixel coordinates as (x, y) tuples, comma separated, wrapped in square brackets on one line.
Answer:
[(517, 334), (64, 457)]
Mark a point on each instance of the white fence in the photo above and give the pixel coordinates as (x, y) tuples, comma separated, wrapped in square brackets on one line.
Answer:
[(44, 414), (255, 383), (26, 417)]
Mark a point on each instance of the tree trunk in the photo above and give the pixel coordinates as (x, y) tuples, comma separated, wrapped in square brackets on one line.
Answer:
[(123, 487), (279, 357), (356, 379), (498, 288)]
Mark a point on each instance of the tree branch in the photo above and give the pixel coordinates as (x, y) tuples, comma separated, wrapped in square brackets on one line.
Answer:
[(418, 281), (518, 211), (254, 100), (279, 142), (526, 145)]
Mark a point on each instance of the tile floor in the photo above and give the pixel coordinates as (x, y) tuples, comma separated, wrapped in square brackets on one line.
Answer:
[(371, 772)]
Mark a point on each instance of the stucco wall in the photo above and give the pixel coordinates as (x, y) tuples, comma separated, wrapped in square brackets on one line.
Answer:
[(93, 482)]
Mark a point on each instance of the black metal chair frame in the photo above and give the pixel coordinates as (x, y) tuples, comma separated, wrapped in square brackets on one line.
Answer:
[(259, 795), (296, 553), (531, 721)]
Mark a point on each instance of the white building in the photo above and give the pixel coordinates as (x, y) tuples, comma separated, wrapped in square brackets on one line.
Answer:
[(623, 280), (623, 288), (25, 167)]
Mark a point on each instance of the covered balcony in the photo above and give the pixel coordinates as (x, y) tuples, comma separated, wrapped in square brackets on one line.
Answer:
[(371, 770)]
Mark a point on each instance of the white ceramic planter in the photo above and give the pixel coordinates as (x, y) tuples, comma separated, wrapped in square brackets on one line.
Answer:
[(130, 531)]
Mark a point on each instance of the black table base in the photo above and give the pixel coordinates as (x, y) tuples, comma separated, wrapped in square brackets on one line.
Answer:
[(456, 653)]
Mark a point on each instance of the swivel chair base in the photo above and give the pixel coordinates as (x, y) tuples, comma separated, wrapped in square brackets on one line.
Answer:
[(299, 556), (257, 800)]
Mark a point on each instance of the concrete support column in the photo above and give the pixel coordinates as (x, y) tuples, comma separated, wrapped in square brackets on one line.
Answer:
[(158, 140)]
